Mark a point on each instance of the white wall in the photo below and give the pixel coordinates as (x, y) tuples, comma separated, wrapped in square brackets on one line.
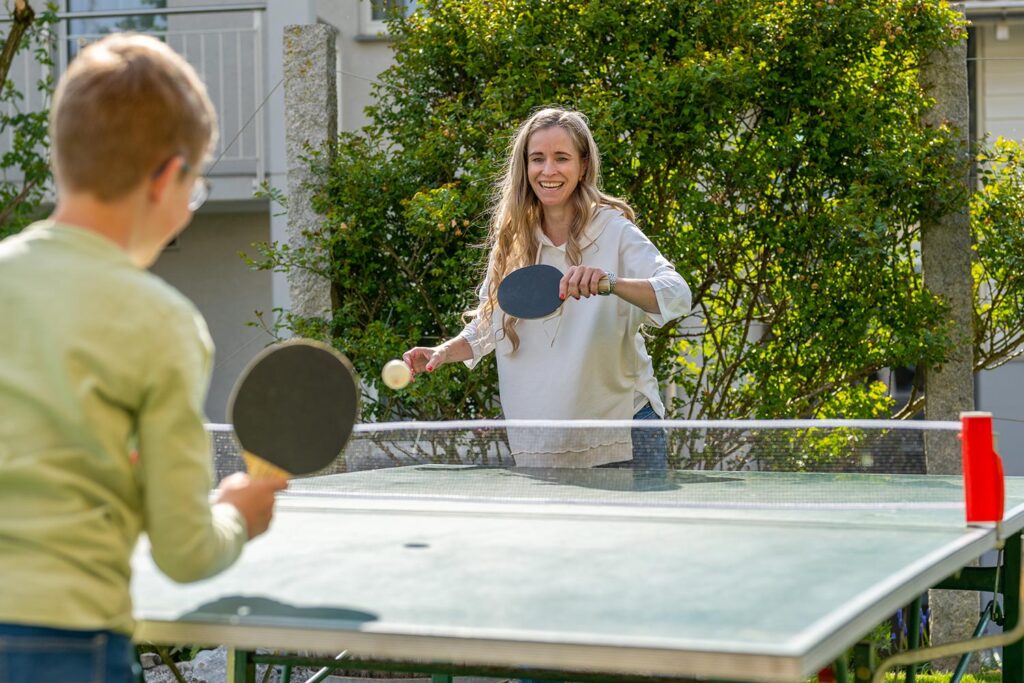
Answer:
[(1000, 111), (204, 264), (362, 54), (1001, 392), (1001, 79)]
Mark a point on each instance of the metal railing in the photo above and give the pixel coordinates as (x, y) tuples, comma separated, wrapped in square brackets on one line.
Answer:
[(224, 43)]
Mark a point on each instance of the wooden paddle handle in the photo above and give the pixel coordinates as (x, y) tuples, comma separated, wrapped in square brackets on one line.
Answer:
[(603, 286), (259, 468)]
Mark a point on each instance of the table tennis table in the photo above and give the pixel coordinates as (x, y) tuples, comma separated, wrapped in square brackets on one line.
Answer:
[(498, 570)]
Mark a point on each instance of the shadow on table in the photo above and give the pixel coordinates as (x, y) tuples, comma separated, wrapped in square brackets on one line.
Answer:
[(247, 608)]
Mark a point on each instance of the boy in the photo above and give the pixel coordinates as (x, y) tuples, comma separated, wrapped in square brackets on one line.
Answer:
[(99, 358)]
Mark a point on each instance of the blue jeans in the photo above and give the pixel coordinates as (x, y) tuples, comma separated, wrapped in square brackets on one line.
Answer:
[(650, 446), (30, 654)]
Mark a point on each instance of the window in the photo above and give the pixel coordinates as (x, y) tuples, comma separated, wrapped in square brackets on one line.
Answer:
[(138, 16), (375, 14)]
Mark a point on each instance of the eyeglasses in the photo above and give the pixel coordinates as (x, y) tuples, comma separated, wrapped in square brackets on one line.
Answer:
[(200, 191)]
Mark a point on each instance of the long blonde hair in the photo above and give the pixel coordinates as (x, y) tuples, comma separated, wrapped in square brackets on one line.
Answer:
[(517, 213)]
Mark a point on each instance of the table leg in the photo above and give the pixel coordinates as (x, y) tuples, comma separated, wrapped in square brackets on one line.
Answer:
[(1013, 655), (913, 634), (865, 661), (841, 669), (241, 668)]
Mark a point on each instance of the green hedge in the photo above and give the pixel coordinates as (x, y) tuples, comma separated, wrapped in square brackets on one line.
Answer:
[(774, 152)]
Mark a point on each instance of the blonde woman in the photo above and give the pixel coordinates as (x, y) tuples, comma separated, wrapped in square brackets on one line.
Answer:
[(588, 359)]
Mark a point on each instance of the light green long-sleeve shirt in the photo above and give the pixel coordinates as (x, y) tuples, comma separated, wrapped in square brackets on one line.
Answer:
[(98, 358)]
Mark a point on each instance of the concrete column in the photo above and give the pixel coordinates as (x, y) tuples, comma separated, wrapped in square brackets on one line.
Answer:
[(946, 267), (311, 120)]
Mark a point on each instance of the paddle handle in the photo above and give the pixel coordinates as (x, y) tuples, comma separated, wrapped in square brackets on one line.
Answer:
[(603, 286), (258, 468)]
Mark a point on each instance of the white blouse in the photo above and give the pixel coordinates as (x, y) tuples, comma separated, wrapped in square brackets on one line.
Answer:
[(587, 360)]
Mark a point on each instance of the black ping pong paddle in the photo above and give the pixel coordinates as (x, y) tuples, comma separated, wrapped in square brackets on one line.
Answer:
[(293, 408), (532, 292)]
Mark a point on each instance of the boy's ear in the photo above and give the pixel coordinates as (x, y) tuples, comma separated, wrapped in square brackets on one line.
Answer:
[(167, 174)]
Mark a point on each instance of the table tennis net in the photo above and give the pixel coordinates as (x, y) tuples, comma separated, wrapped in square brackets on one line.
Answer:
[(646, 456)]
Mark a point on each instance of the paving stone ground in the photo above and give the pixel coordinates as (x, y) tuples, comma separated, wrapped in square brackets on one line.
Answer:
[(210, 666)]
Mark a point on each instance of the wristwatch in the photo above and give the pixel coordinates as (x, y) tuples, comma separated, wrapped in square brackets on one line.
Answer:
[(612, 279)]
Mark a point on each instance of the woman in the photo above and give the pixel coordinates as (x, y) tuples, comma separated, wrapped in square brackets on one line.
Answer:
[(587, 360)]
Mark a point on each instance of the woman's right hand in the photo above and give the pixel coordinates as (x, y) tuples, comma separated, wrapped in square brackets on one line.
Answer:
[(425, 358)]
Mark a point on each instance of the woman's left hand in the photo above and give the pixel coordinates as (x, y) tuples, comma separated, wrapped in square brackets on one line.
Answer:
[(580, 281)]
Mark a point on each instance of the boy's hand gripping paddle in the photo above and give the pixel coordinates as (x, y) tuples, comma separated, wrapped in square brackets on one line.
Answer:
[(293, 408), (532, 292)]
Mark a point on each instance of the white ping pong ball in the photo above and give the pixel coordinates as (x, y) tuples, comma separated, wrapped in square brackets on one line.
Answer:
[(396, 374)]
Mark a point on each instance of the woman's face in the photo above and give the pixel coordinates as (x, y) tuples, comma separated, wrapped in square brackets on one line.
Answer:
[(553, 166)]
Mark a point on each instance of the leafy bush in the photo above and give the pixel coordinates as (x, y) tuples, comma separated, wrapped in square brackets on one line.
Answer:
[(997, 214), (774, 151)]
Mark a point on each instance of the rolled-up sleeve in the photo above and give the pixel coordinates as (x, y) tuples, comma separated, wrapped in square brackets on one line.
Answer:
[(479, 333), (190, 539), (641, 260)]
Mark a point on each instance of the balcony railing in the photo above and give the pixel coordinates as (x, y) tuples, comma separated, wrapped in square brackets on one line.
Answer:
[(224, 43)]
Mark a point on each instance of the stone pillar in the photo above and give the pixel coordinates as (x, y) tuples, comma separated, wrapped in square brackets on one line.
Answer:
[(946, 267), (311, 120)]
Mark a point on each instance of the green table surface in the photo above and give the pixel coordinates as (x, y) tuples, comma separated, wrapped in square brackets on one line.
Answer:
[(755, 576)]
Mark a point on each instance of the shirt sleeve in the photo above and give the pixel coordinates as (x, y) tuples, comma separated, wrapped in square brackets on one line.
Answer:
[(190, 539), (642, 260), (479, 333)]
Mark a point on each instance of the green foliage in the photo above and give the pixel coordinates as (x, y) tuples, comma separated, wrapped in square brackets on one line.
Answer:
[(24, 171), (997, 214), (982, 677), (773, 150)]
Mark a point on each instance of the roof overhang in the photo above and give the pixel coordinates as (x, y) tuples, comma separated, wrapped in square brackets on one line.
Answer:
[(993, 10)]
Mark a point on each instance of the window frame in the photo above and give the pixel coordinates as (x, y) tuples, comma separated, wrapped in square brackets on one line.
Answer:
[(370, 27)]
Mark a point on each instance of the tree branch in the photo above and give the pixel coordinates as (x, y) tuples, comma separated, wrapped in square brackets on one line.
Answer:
[(914, 406), (23, 17), (8, 209)]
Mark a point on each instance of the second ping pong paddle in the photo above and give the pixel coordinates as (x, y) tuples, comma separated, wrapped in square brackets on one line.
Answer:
[(293, 408), (532, 292)]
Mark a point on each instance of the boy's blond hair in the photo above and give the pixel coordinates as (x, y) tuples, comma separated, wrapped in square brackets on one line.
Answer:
[(126, 105)]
